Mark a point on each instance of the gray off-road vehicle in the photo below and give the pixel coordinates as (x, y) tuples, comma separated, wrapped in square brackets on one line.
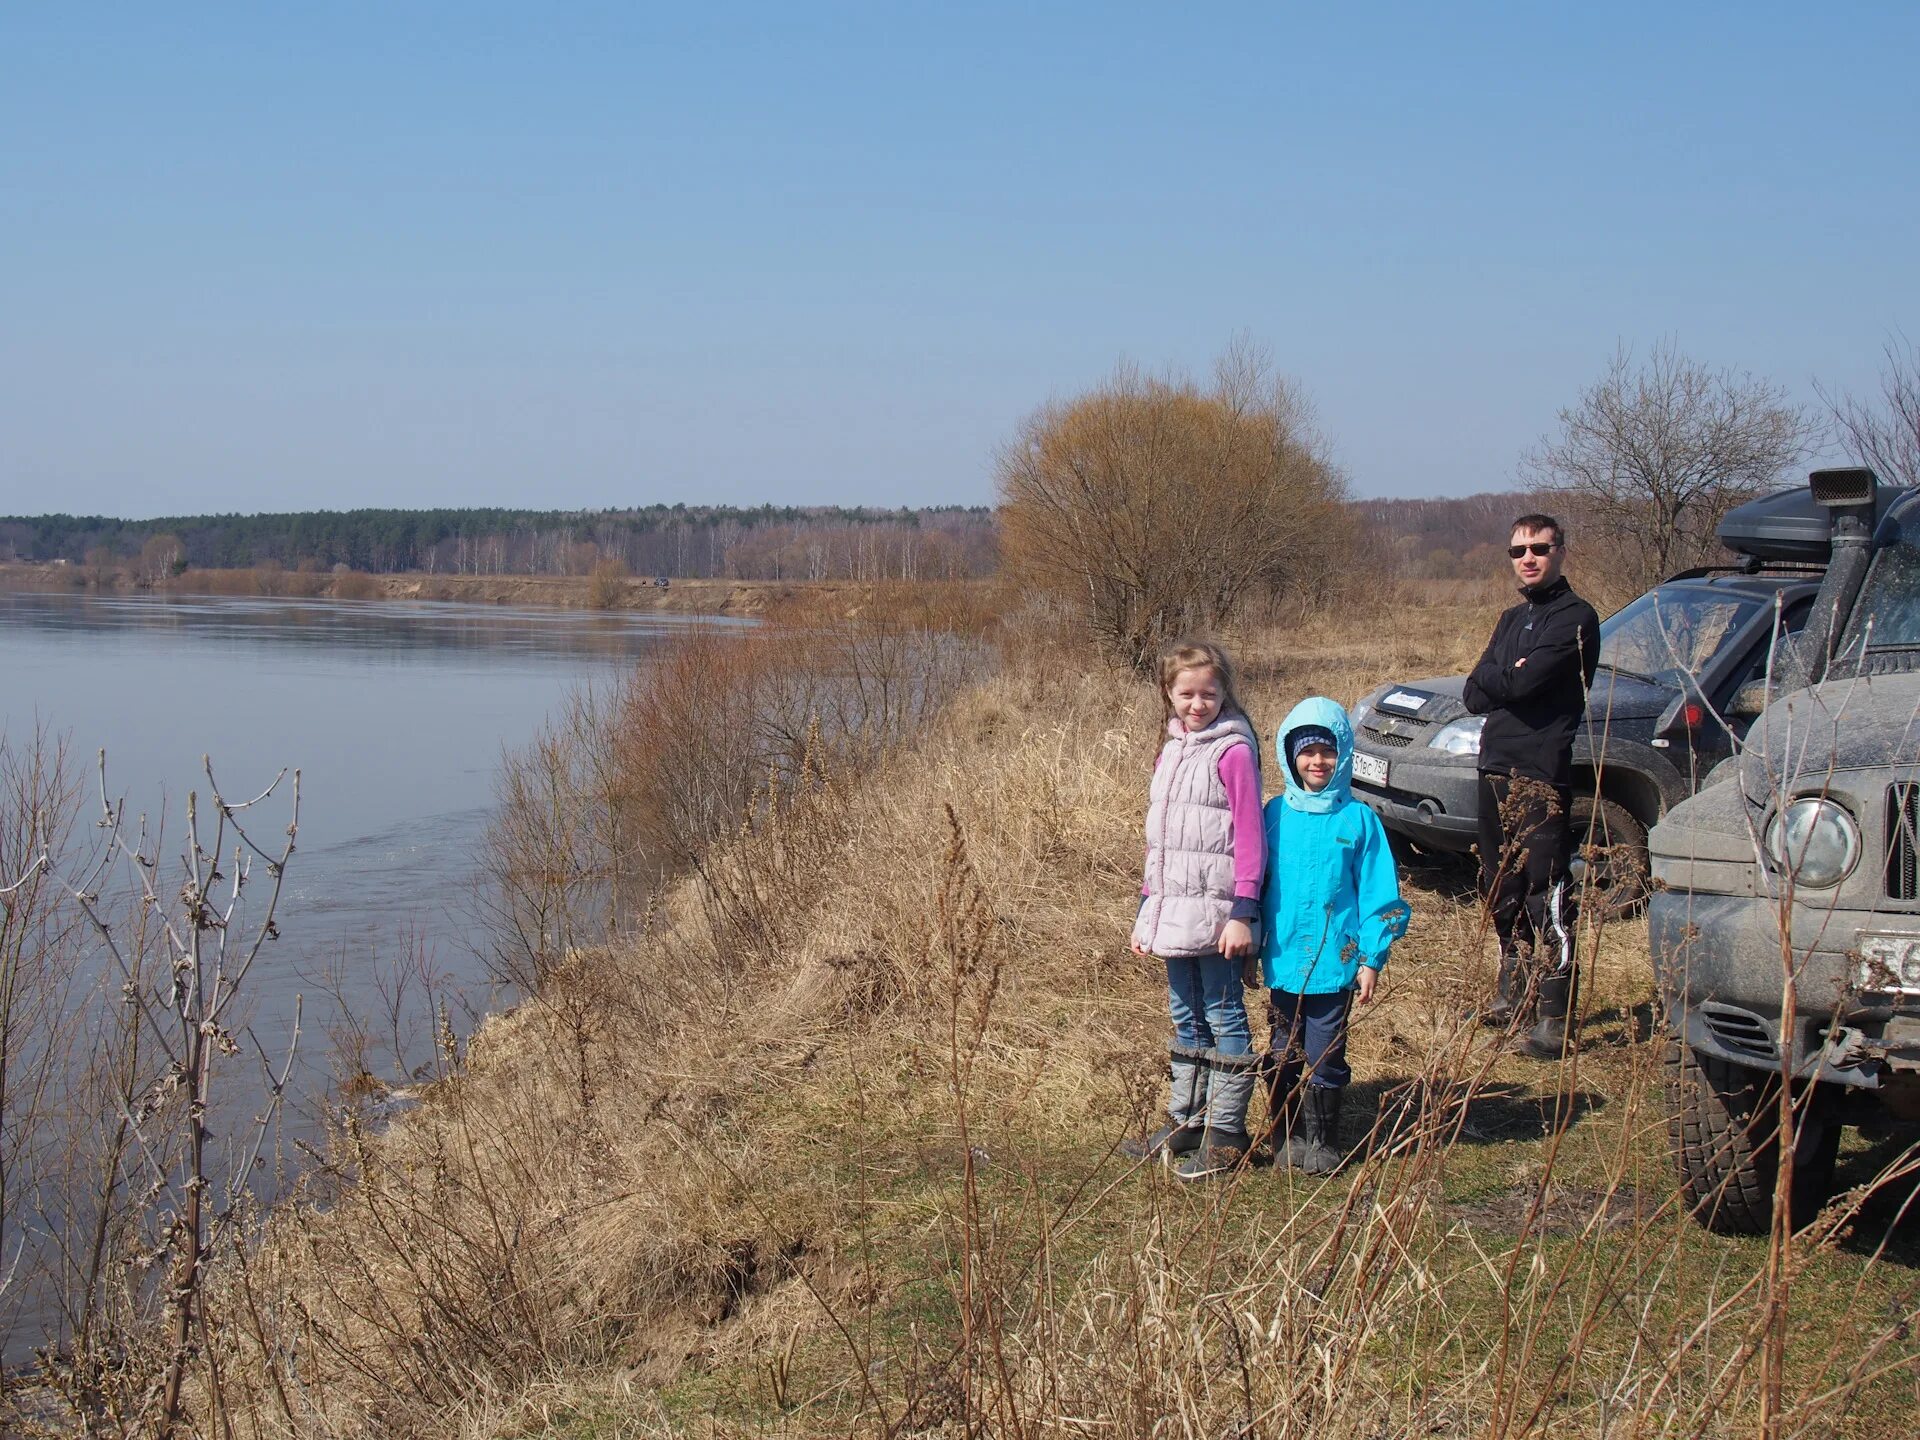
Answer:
[(1785, 918)]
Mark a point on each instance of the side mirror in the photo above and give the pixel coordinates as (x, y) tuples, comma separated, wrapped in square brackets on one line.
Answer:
[(1748, 701)]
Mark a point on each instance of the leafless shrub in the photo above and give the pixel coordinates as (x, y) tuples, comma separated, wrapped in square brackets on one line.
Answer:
[(606, 584), (723, 735), (135, 1197), (1155, 508)]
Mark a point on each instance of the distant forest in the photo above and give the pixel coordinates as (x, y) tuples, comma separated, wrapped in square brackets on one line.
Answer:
[(685, 541), (1442, 539)]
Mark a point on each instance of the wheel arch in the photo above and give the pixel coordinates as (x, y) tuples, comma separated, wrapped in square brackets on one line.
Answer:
[(1638, 794)]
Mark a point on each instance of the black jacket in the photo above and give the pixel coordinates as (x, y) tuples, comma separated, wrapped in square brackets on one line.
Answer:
[(1533, 709)]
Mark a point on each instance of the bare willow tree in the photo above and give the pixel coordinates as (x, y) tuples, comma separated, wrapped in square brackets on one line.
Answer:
[(1886, 435), (1155, 506), (1652, 456)]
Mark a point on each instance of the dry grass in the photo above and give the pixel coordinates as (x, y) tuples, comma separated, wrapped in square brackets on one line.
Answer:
[(861, 1178)]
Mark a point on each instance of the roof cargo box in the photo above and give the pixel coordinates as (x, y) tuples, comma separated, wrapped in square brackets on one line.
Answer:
[(1784, 526)]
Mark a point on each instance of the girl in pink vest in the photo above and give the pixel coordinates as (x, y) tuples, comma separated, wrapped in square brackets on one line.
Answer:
[(1206, 853)]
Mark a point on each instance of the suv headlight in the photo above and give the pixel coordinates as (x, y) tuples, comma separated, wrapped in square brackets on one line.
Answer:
[(1459, 737), (1358, 715), (1815, 841)]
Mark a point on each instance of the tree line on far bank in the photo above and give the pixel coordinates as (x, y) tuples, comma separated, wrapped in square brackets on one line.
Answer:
[(769, 542)]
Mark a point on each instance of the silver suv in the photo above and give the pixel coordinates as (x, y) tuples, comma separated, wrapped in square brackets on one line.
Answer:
[(1785, 919)]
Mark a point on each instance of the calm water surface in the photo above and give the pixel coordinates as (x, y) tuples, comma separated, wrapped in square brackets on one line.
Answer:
[(396, 715)]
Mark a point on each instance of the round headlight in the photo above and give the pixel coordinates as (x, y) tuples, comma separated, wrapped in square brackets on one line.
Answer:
[(1459, 737), (1815, 841)]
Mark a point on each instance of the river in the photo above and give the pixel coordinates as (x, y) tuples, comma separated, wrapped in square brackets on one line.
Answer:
[(396, 715)]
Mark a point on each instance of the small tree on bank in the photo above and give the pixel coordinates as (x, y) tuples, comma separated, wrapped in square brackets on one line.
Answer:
[(1154, 507), (1651, 457)]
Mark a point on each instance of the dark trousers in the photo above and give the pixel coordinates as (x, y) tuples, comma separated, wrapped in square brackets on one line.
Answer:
[(1525, 846), (1308, 1033)]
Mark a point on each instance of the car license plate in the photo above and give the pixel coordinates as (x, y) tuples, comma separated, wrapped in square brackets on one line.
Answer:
[(1370, 768), (1890, 962)]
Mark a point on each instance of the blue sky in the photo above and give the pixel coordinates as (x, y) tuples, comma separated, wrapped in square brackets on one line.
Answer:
[(274, 257)]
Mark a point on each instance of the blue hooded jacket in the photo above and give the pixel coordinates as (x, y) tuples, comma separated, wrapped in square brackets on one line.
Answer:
[(1331, 902)]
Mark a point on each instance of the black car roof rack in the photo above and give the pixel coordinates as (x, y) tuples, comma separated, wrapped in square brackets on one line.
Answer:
[(1787, 525)]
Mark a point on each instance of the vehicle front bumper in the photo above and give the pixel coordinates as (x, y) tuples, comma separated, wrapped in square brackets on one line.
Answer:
[(1431, 798), (1721, 963)]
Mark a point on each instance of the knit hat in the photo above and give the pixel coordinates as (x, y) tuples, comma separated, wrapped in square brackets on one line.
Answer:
[(1310, 735)]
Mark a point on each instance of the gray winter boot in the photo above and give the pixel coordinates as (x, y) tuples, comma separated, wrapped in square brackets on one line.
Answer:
[(1319, 1152), (1226, 1143), (1187, 1072)]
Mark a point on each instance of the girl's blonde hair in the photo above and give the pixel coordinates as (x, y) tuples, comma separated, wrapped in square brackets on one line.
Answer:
[(1197, 655)]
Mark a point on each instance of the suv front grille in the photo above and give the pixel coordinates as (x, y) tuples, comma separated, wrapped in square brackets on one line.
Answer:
[(1903, 840), (1738, 1030), (1394, 732)]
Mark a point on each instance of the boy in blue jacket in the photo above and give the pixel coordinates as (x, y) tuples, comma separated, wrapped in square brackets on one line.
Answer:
[(1332, 910)]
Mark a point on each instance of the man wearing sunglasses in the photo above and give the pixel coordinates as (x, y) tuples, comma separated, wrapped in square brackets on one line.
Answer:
[(1532, 684)]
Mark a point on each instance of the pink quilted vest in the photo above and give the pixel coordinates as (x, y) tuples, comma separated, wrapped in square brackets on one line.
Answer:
[(1190, 841)]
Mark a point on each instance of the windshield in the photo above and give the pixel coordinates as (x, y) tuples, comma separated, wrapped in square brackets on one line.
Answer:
[(1672, 632), (1890, 600)]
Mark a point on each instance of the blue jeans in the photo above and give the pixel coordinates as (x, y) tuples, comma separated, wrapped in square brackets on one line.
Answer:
[(1209, 1007)]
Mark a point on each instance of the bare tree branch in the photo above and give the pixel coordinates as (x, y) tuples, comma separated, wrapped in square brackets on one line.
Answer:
[(1653, 455)]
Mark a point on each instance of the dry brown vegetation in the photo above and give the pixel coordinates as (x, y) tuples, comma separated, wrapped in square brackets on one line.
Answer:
[(1151, 507), (821, 1141)]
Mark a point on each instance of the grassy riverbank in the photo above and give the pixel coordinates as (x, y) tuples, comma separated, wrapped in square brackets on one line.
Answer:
[(828, 1148), (826, 1145)]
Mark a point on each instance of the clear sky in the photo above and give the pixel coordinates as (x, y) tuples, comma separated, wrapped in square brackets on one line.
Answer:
[(270, 257)]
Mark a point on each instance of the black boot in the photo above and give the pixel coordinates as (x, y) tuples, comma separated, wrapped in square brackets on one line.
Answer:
[(1282, 1083), (1508, 997), (1550, 1039), (1318, 1151), (1186, 1108)]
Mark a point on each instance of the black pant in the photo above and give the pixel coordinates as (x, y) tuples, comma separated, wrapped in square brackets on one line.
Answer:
[(1525, 845), (1307, 1034)]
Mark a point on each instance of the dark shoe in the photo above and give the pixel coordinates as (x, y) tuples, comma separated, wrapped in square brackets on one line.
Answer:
[(1282, 1085), (1549, 1039), (1169, 1139), (1221, 1153), (1507, 997), (1317, 1150)]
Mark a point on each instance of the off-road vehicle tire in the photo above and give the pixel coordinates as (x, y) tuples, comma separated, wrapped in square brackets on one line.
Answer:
[(1613, 845), (1724, 1135)]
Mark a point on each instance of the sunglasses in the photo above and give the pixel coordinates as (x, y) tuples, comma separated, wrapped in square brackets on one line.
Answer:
[(1538, 547)]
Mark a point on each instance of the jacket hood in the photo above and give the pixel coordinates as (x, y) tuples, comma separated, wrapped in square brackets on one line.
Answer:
[(1328, 715)]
